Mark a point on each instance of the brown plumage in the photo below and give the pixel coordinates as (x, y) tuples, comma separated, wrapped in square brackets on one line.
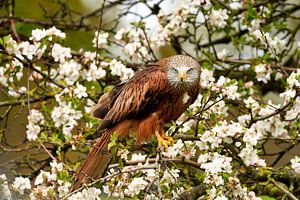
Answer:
[(152, 97)]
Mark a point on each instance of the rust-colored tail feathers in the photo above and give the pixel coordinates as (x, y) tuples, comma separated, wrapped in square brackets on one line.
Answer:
[(96, 162)]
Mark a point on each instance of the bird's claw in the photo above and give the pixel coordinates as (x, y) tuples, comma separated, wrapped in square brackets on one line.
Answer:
[(164, 141), (168, 138)]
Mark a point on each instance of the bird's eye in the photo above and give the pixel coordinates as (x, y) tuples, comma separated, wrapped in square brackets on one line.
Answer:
[(189, 70), (174, 69)]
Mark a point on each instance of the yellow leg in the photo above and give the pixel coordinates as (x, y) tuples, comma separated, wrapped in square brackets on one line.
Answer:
[(163, 140), (168, 138)]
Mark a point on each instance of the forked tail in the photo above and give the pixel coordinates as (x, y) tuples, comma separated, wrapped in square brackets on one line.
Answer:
[(96, 162)]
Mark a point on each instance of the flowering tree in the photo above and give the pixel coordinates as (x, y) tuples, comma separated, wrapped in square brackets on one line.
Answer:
[(246, 49)]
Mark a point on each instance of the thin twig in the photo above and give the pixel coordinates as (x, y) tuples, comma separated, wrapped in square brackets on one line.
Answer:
[(23, 101), (288, 193), (47, 151)]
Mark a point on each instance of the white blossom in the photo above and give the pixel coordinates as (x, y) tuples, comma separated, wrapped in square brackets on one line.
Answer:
[(206, 78), (20, 184), (257, 34), (231, 92), (209, 139), (120, 33), (44, 177), (252, 104), (174, 150), (186, 126), (35, 75), (294, 112), (4, 188), (118, 69), (227, 87), (295, 164), (276, 44), (250, 157), (151, 175), (218, 163), (60, 53), (218, 18), (12, 46), (136, 186), (64, 189), (278, 76), (35, 116), (69, 72), (39, 179), (288, 95), (134, 42), (251, 137), (64, 115), (13, 93), (244, 119), (254, 27), (151, 197), (95, 73), (89, 105), (80, 91), (91, 193), (263, 72), (170, 176), (32, 131), (136, 50), (41, 191), (56, 167), (177, 24), (30, 50), (53, 31), (160, 37), (100, 39), (221, 197), (89, 56), (294, 79), (235, 5), (223, 54), (278, 128), (3, 78), (38, 34), (138, 157)]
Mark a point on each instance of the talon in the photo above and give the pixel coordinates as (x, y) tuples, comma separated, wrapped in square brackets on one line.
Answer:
[(168, 138), (164, 140)]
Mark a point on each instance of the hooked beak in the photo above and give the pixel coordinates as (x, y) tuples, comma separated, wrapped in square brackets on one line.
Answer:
[(182, 76)]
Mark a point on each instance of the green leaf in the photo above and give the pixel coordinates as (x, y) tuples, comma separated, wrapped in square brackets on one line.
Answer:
[(111, 144), (225, 177), (266, 198), (4, 39), (212, 117), (113, 141), (64, 175)]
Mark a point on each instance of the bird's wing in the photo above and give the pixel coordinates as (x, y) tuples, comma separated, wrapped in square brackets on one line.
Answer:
[(106, 101), (138, 97)]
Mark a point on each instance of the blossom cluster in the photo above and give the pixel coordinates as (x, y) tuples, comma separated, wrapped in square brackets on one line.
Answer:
[(134, 42), (64, 115), (35, 118), (46, 184)]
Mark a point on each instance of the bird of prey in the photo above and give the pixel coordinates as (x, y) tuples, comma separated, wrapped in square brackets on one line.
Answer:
[(154, 96)]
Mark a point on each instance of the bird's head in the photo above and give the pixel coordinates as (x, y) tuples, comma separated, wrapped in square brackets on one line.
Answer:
[(182, 71)]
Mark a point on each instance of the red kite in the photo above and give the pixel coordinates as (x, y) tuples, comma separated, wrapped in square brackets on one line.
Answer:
[(154, 96)]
